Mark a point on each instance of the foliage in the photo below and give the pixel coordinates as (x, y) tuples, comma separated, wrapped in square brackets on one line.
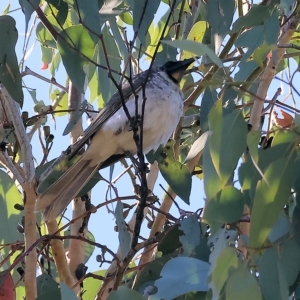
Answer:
[(231, 146)]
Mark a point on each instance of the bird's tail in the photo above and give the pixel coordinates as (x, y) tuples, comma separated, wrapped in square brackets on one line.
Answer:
[(56, 198)]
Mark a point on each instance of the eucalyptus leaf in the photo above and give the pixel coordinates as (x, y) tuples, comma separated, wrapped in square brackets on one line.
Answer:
[(143, 13), (175, 173), (123, 234), (191, 238), (271, 194), (195, 48), (9, 70), (123, 293), (179, 276), (76, 46), (243, 285)]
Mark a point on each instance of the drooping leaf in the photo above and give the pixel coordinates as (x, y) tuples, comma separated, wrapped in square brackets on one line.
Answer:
[(76, 116), (106, 86), (170, 242), (62, 10), (89, 17), (195, 48), (226, 263), (89, 286), (270, 196), (290, 259), (257, 15), (143, 14), (9, 70), (9, 196), (196, 34), (191, 238), (46, 285), (219, 16), (220, 157), (151, 272), (179, 276), (242, 285), (271, 276), (44, 37), (28, 8), (175, 173), (75, 46), (124, 292), (208, 101), (197, 146), (124, 236), (66, 293), (280, 228), (225, 207)]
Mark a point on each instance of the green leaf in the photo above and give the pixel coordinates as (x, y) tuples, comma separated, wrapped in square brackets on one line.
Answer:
[(257, 15), (243, 285), (270, 196), (271, 276), (28, 8), (66, 292), (175, 173), (9, 70), (196, 34), (143, 16), (195, 48), (124, 236), (220, 158), (89, 16), (9, 196), (47, 285), (6, 9), (90, 287), (62, 11), (123, 293), (181, 275), (151, 272), (226, 263), (76, 46), (44, 37), (208, 101), (219, 16), (290, 258), (225, 207), (63, 102), (170, 242), (280, 228), (191, 238), (75, 117), (106, 87)]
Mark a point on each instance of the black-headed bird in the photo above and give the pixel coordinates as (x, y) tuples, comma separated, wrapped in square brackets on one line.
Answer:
[(110, 136)]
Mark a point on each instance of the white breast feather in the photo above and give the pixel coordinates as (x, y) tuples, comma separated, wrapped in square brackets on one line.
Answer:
[(162, 113)]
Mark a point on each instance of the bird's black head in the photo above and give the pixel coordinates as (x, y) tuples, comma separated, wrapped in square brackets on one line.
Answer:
[(176, 69)]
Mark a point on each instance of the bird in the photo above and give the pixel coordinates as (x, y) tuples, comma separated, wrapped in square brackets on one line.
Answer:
[(110, 135)]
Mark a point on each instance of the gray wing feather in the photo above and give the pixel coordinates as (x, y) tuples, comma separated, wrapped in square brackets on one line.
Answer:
[(109, 109)]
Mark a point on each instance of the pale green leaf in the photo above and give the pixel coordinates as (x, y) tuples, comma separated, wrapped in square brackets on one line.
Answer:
[(123, 234), (195, 48), (179, 276), (9, 70)]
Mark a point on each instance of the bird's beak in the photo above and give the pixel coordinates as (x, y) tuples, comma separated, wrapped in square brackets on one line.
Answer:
[(178, 70)]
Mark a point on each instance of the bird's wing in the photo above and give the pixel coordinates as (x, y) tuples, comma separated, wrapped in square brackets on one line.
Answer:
[(109, 109)]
